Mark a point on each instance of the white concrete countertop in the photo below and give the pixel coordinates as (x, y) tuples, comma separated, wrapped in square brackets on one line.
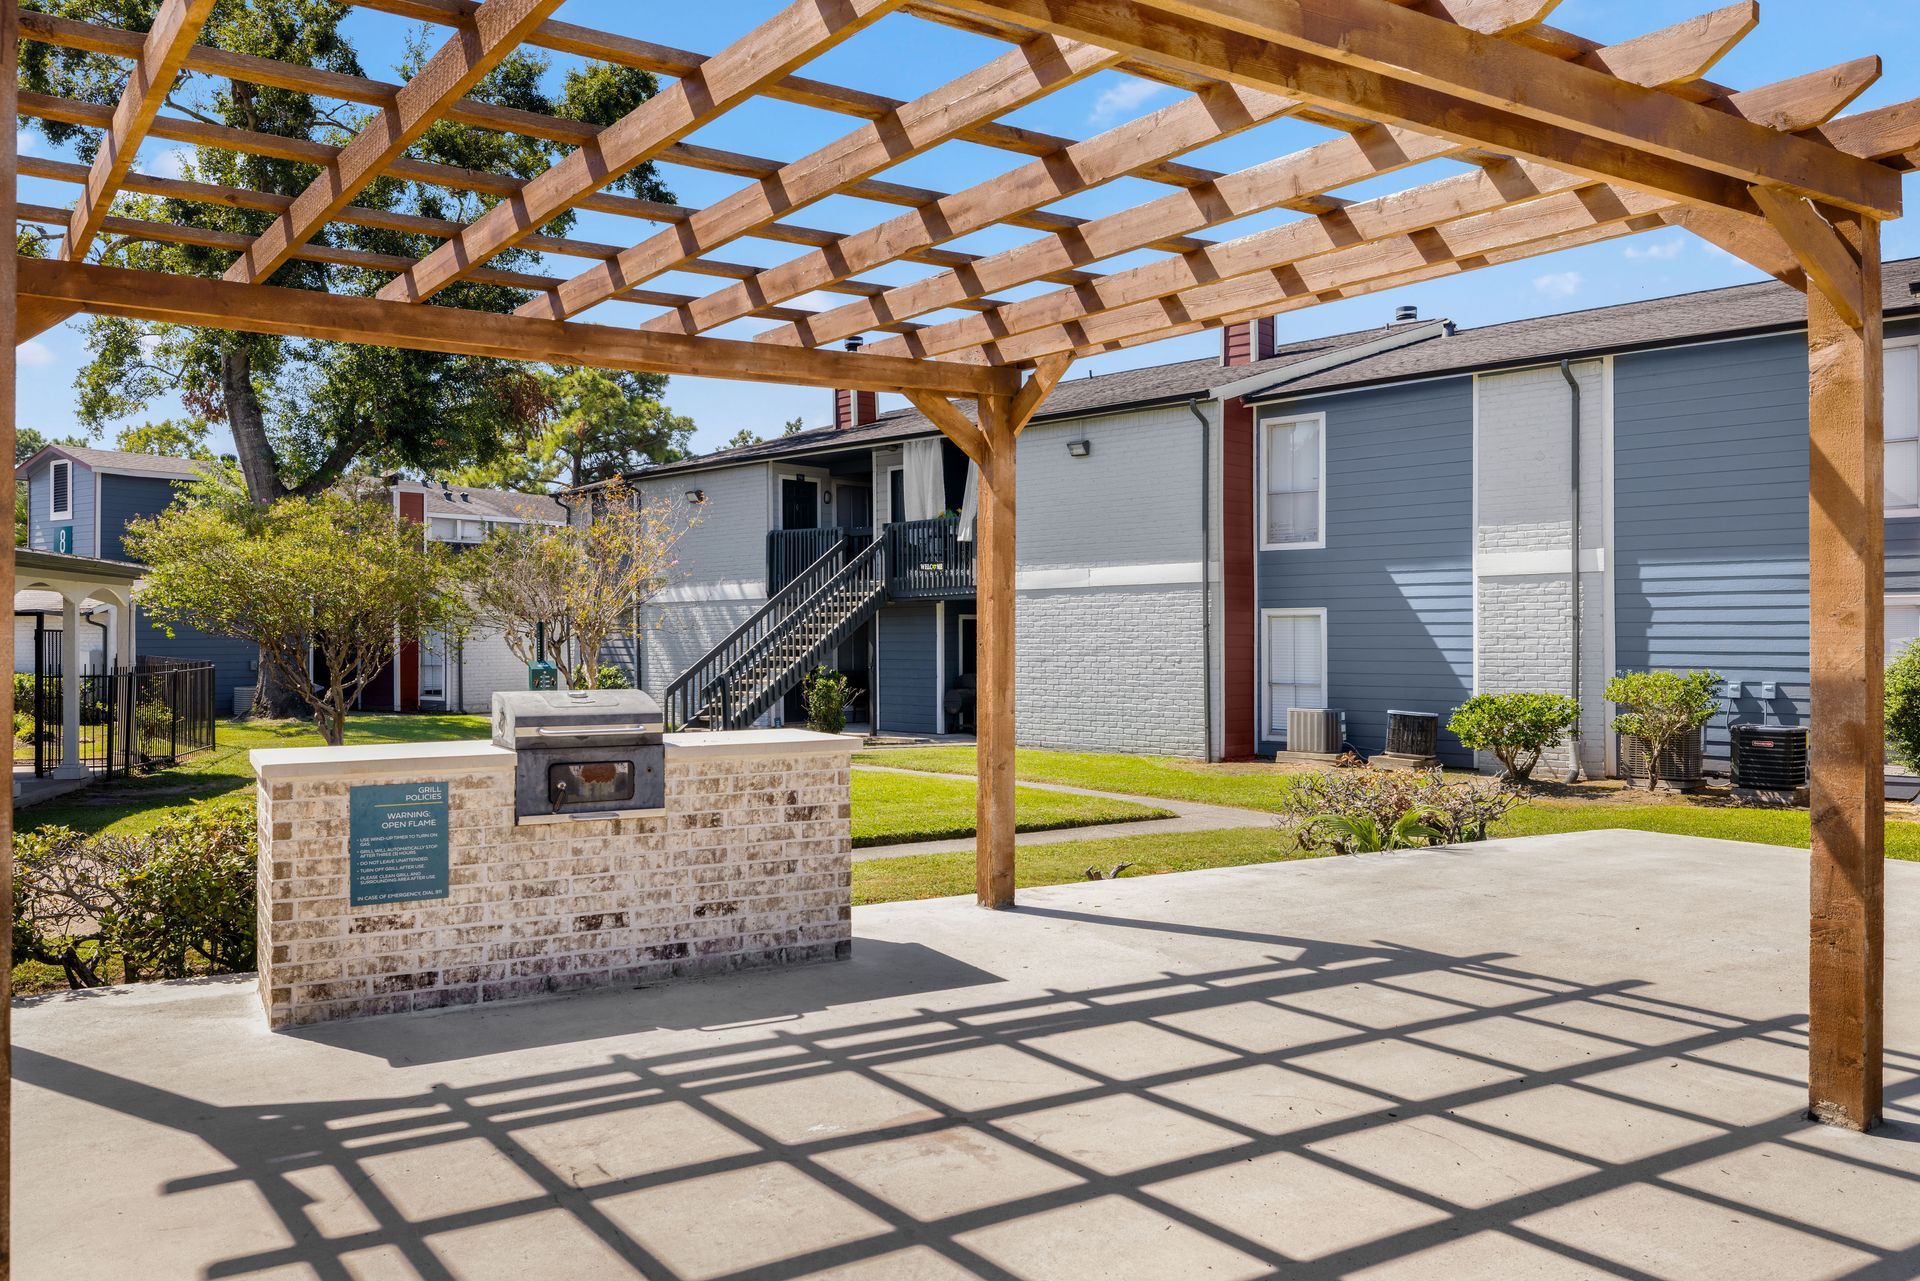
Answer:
[(377, 758)]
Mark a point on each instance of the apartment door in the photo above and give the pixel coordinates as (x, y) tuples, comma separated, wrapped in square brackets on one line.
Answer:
[(799, 503)]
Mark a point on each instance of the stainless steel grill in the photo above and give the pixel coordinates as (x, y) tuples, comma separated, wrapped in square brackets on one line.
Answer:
[(583, 751)]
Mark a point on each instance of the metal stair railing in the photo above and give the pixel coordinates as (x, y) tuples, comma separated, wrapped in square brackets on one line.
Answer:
[(801, 640), (693, 695)]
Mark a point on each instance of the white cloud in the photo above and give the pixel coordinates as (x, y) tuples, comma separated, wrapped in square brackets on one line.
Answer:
[(27, 141), (34, 353), (173, 164), (1124, 99), (1656, 250), (1559, 284), (818, 300)]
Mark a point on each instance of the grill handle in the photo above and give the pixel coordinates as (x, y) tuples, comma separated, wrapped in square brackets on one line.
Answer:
[(590, 731)]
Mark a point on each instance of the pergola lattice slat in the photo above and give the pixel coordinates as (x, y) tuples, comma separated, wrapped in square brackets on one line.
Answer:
[(1570, 143), (1325, 167), (175, 29), (1012, 80), (1417, 219), (1478, 91), (801, 31), (498, 28)]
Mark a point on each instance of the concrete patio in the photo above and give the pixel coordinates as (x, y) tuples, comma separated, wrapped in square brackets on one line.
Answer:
[(1561, 1057)]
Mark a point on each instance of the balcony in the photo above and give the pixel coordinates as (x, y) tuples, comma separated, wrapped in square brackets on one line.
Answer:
[(924, 559)]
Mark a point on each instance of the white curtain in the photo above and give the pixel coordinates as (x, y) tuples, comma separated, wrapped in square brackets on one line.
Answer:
[(970, 503), (924, 481)]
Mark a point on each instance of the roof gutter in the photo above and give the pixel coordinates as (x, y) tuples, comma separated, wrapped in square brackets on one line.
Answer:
[(1206, 576)]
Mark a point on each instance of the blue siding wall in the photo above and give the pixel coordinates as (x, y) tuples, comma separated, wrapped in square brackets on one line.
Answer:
[(1396, 575), (41, 525), (127, 498), (1710, 519), (908, 653)]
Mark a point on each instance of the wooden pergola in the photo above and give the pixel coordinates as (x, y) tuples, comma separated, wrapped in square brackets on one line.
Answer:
[(1563, 142)]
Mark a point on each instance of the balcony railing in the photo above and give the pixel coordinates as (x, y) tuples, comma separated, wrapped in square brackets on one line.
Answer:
[(928, 560), (925, 559)]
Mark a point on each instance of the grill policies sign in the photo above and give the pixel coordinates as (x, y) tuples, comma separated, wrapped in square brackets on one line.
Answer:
[(397, 842)]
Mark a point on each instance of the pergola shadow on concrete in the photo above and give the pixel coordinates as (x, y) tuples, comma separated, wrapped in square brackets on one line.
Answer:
[(1566, 142), (1554, 1057)]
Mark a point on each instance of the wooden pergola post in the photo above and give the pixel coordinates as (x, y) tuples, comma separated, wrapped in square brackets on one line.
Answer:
[(1847, 737), (9, 281), (992, 441), (994, 569)]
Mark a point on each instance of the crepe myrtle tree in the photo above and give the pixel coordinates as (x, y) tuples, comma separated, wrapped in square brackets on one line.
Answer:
[(327, 585), (1661, 709), (582, 582)]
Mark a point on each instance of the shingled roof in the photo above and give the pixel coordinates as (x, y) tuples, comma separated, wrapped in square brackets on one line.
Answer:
[(1713, 313), (116, 460), (1658, 322)]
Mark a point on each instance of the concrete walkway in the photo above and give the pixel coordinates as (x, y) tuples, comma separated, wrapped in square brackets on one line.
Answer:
[(1566, 1056), (1188, 816)]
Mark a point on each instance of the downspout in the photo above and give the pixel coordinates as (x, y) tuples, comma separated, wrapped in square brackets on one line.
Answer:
[(1206, 574), (1573, 434)]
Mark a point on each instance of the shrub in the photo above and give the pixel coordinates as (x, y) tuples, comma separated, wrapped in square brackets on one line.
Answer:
[(1662, 708), (1358, 811), (153, 723), (1903, 706), (23, 689), (611, 677), (826, 697), (1516, 728), (172, 902), (23, 728)]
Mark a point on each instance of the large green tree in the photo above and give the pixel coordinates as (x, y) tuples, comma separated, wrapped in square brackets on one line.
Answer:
[(586, 425), (304, 414), (332, 579)]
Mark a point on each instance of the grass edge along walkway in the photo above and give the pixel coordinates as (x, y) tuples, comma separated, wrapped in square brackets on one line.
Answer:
[(1263, 787), (897, 809)]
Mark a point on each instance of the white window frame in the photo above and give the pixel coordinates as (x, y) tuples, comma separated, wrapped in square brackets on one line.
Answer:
[(57, 513), (1266, 422), (887, 490), (1894, 344), (1263, 704)]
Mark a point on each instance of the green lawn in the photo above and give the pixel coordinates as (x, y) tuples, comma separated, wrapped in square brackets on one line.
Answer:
[(1257, 786), (888, 808), (890, 880), (1263, 787), (135, 804)]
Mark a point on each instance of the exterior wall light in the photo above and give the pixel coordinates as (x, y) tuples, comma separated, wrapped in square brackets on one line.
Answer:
[(1079, 448), (696, 496)]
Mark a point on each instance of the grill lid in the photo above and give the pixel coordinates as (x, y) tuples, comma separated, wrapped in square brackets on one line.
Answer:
[(525, 717)]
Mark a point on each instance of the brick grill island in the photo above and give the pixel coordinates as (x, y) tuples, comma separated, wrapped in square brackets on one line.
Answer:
[(750, 866)]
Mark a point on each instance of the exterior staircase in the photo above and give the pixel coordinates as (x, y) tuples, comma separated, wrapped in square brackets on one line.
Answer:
[(799, 629)]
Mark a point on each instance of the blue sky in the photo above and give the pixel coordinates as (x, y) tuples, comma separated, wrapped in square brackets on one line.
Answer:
[(905, 57)]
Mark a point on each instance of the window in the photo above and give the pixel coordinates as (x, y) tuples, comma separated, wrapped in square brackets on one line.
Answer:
[(1903, 428), (965, 662), (1296, 664), (1293, 499), (433, 667), (896, 493), (60, 482)]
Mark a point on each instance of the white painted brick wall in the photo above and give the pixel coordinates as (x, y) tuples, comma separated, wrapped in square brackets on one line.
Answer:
[(486, 665), (1524, 621), (1112, 668)]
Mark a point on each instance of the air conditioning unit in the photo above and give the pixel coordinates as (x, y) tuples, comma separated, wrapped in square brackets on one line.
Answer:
[(1681, 767), (1316, 731), (1770, 758), (1413, 734)]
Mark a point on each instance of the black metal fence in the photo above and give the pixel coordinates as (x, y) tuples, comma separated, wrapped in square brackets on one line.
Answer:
[(154, 714)]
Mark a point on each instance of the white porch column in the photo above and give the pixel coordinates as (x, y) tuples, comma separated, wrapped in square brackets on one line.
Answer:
[(123, 654), (70, 764)]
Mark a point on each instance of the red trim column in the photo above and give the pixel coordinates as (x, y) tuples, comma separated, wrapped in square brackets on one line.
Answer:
[(1239, 673)]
